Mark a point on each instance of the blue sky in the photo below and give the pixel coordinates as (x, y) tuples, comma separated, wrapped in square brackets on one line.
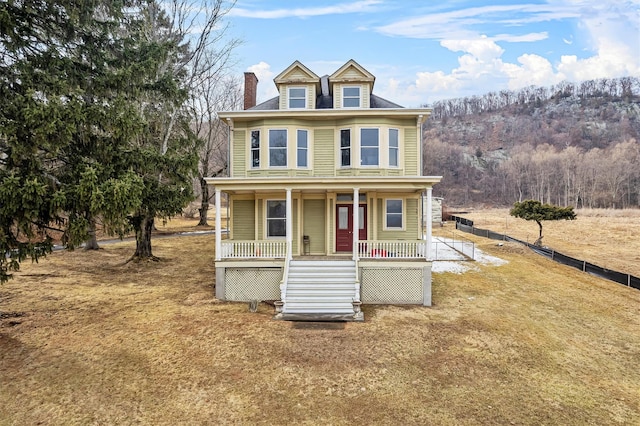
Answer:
[(423, 51)]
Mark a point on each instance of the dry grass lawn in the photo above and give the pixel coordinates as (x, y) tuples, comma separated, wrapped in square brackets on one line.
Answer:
[(607, 238), (87, 339)]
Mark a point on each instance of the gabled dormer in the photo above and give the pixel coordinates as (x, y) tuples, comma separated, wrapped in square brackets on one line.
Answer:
[(298, 87), (351, 86)]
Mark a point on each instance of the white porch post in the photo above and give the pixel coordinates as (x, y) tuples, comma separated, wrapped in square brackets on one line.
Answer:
[(356, 221), (289, 225), (218, 226), (429, 221)]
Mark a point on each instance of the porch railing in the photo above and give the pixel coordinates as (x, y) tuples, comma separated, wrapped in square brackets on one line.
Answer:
[(259, 249), (392, 249)]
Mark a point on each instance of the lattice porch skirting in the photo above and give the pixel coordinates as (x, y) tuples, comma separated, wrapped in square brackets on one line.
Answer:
[(246, 284), (393, 285)]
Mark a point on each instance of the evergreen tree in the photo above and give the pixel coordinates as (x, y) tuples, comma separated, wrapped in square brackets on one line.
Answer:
[(538, 212)]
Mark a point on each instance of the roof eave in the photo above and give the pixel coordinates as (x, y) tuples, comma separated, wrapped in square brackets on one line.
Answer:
[(329, 113)]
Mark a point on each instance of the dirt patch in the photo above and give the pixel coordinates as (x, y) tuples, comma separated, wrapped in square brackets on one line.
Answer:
[(310, 325)]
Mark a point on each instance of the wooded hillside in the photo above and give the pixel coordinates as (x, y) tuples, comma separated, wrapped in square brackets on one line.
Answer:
[(568, 144)]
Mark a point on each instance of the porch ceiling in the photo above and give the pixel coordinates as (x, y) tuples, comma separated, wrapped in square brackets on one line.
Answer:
[(398, 184)]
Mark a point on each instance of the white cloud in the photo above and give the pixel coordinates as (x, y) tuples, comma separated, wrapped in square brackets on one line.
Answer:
[(483, 50), (266, 87), (612, 27), (342, 8), (463, 23)]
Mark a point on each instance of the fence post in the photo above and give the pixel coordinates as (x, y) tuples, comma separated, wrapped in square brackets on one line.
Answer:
[(584, 265)]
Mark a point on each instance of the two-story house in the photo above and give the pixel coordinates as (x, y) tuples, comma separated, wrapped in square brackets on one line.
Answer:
[(324, 198)]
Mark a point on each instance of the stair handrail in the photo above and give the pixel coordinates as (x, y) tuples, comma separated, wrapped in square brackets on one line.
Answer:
[(285, 280), (357, 282)]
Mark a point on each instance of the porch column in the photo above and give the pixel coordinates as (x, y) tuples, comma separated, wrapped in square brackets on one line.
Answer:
[(218, 226), (289, 225), (429, 221), (356, 221)]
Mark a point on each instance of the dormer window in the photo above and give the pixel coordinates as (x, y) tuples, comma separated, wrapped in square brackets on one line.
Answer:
[(297, 97), (351, 97)]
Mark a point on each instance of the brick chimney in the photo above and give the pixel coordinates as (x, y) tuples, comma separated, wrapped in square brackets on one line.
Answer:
[(250, 89)]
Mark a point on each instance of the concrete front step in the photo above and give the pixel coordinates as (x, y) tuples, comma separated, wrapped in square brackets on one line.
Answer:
[(321, 317)]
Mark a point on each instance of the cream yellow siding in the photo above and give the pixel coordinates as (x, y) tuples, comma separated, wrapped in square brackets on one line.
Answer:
[(261, 219), (332, 225), (337, 96), (352, 73), (239, 160), (314, 221), (295, 237), (243, 219), (411, 152), (366, 96), (324, 149)]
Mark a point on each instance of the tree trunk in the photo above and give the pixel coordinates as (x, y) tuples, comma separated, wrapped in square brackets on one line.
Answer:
[(92, 242), (538, 242), (143, 227), (204, 205)]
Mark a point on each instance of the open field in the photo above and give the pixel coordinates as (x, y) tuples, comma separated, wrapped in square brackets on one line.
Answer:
[(607, 238), (88, 339)]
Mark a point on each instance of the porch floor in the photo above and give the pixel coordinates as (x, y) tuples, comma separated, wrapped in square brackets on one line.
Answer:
[(322, 257)]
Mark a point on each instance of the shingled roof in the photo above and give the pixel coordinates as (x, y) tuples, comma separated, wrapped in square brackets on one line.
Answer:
[(325, 100)]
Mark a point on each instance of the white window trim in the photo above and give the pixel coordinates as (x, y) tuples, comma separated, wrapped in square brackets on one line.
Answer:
[(266, 219), (404, 214), (307, 149), (360, 147), (397, 166), (351, 154), (306, 96), (286, 132), (251, 149), (351, 97)]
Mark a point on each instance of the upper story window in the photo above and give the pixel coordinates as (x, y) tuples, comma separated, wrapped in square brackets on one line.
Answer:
[(277, 148), (345, 148), (303, 148), (393, 211), (369, 147), (297, 97), (351, 97), (394, 148), (255, 149)]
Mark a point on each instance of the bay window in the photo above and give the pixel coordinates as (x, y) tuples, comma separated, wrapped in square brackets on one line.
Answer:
[(277, 148), (393, 148), (303, 148), (369, 147), (345, 148), (255, 149)]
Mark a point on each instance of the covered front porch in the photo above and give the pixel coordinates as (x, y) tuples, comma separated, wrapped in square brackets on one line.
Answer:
[(278, 218), (325, 245)]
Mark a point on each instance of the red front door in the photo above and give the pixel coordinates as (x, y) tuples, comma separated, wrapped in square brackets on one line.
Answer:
[(344, 226)]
